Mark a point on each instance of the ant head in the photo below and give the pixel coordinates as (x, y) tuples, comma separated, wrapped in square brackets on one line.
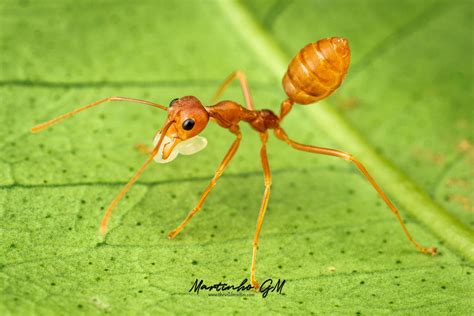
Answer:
[(189, 116)]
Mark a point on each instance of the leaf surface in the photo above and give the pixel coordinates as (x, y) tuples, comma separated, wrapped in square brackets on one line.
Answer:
[(405, 110)]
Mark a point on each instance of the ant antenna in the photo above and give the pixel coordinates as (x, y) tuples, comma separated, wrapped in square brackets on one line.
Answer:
[(44, 125)]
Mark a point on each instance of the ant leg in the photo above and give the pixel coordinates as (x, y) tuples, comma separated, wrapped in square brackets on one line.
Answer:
[(143, 148), (218, 173), (243, 84), (280, 133), (263, 206), (108, 212), (44, 125)]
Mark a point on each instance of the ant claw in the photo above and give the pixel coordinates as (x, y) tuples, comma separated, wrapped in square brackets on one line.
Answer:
[(255, 285), (172, 234), (429, 250), (103, 231), (432, 250)]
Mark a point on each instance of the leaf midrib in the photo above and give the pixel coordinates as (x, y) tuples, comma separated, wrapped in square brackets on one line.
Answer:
[(401, 188)]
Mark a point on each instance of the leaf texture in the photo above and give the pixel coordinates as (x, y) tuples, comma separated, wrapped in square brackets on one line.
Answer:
[(405, 110)]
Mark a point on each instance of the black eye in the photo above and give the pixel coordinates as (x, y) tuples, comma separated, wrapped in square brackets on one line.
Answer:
[(188, 124), (173, 101)]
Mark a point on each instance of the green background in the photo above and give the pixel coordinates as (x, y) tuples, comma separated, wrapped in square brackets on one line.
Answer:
[(405, 110)]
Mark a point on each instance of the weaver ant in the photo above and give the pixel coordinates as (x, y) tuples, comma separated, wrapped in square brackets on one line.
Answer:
[(313, 74)]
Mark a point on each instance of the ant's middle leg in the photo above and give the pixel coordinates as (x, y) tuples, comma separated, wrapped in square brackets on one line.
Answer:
[(243, 84), (218, 173), (263, 206)]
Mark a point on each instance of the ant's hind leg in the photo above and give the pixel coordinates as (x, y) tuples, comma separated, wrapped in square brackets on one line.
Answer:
[(243, 84), (218, 173), (263, 206), (280, 133)]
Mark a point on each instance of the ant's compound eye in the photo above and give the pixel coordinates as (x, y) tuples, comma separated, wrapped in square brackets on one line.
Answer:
[(173, 101), (188, 124)]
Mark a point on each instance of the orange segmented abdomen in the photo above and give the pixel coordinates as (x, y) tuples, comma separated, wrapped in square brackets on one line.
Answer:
[(317, 70)]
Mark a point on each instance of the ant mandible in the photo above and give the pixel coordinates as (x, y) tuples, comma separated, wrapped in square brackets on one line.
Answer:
[(313, 74)]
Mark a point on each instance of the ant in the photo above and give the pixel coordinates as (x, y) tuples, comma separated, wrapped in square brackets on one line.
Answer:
[(314, 73)]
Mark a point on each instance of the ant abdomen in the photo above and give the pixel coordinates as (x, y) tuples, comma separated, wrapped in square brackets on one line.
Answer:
[(317, 70)]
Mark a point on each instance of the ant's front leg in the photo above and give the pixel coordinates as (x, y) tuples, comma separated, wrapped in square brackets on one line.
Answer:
[(110, 208), (218, 173), (142, 148)]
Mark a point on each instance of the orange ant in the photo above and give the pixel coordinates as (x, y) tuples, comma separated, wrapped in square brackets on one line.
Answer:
[(315, 72)]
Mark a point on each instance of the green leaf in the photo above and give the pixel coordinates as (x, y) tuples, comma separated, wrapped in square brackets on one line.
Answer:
[(405, 110)]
